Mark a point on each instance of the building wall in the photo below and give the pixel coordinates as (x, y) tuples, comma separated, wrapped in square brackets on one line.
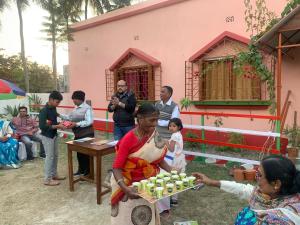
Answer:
[(291, 81), (170, 34)]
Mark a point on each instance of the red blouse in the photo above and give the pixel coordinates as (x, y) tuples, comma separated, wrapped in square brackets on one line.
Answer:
[(127, 145)]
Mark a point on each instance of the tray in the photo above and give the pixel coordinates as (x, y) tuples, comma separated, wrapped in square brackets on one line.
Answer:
[(152, 199)]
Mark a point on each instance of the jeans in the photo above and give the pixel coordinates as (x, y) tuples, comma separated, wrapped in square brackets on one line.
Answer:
[(51, 150), (120, 132), (27, 140)]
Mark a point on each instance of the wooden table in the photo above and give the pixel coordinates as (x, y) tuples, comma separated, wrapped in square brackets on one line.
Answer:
[(91, 150)]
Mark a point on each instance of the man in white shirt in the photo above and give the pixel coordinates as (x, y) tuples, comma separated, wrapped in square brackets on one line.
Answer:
[(82, 125)]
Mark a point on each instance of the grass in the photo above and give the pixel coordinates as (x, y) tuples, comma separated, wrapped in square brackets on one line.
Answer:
[(23, 195), (208, 205)]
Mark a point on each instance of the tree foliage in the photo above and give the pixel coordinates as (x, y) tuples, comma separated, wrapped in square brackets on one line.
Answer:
[(40, 76), (289, 7), (257, 16)]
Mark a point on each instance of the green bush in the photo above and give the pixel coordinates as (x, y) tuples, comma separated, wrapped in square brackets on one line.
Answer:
[(12, 110), (190, 144), (234, 138)]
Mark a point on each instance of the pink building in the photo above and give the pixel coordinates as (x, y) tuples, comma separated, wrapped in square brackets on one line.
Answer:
[(170, 42)]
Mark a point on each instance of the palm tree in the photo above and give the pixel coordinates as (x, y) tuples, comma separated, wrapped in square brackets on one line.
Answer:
[(21, 5), (95, 4), (56, 27), (52, 28)]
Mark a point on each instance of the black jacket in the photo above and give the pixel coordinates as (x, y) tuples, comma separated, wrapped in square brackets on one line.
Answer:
[(124, 117)]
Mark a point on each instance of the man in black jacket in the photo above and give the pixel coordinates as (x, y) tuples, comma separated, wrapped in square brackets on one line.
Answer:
[(123, 105)]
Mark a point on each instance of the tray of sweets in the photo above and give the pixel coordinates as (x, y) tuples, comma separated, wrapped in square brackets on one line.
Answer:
[(165, 185)]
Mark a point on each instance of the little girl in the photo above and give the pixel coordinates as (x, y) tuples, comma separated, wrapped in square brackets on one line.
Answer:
[(175, 146), (175, 158)]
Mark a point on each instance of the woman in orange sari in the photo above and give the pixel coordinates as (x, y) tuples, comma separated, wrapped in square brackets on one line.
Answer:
[(139, 154)]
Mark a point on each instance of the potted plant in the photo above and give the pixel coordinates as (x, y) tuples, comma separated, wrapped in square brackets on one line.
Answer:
[(293, 135)]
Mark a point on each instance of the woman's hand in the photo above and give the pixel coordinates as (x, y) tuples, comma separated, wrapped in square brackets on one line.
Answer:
[(202, 178), (4, 139), (131, 193)]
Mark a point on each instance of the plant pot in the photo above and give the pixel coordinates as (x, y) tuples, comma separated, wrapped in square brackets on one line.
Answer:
[(250, 175), (292, 152), (238, 175)]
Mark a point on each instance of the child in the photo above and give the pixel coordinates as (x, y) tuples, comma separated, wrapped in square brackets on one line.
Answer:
[(175, 146), (49, 125), (174, 158)]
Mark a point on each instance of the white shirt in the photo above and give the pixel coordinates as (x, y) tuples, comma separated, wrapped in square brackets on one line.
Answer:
[(88, 117), (175, 114), (177, 137), (243, 191)]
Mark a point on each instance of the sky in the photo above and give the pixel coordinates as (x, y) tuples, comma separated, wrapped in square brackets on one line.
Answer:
[(36, 48)]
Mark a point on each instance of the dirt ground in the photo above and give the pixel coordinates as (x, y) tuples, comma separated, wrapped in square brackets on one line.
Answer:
[(25, 200)]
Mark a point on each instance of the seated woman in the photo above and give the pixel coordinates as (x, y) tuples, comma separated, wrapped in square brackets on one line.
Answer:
[(8, 146), (140, 153), (276, 199)]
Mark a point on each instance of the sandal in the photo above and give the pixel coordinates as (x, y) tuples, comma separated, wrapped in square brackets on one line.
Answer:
[(58, 178), (51, 183)]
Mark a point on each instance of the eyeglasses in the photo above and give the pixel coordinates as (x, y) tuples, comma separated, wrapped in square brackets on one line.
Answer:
[(23, 111), (121, 85)]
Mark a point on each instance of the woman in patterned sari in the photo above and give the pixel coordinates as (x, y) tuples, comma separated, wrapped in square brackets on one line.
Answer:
[(140, 153), (276, 199), (8, 146)]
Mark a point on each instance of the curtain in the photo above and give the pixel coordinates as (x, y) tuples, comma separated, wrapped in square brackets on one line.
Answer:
[(219, 83)]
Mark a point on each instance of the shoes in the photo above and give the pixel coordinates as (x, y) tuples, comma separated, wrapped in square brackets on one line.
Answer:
[(30, 158), (42, 156), (78, 173), (174, 202), (58, 178), (86, 173), (51, 182)]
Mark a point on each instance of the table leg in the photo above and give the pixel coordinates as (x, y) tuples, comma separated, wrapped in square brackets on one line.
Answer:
[(92, 172), (98, 178), (70, 164)]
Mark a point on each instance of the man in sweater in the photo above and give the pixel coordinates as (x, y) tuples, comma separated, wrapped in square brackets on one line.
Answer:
[(26, 129), (168, 110), (82, 125), (49, 125), (122, 104)]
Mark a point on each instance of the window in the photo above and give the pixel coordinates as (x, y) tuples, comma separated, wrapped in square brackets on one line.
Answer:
[(218, 82), (140, 80)]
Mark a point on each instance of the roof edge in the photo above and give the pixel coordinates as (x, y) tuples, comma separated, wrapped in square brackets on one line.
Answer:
[(270, 33), (123, 13), (215, 41), (139, 54)]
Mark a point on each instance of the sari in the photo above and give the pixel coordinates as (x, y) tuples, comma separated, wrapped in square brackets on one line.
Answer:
[(284, 210), (9, 148), (141, 163)]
